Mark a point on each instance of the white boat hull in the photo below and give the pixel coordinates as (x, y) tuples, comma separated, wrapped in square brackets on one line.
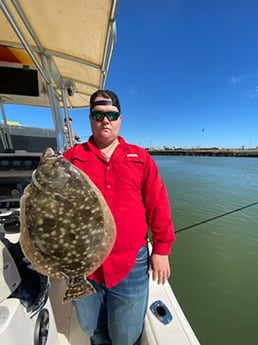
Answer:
[(17, 325), (178, 331)]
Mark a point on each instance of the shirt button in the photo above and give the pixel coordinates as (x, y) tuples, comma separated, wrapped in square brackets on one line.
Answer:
[(108, 186)]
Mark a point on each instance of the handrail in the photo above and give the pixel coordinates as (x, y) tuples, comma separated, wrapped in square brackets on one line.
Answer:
[(110, 43)]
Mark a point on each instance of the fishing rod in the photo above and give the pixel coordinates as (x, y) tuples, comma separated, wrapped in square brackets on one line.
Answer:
[(219, 216)]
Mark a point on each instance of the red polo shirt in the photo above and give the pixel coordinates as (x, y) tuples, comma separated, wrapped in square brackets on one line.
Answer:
[(137, 197)]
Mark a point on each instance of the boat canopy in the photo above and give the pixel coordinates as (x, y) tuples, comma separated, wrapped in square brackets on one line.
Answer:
[(69, 43), (54, 54)]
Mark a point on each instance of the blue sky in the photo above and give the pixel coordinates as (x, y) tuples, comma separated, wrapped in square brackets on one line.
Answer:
[(186, 73)]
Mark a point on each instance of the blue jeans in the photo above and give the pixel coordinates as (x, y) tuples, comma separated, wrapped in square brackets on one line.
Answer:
[(115, 316)]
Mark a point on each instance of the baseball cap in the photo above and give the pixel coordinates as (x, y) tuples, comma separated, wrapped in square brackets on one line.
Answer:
[(105, 94)]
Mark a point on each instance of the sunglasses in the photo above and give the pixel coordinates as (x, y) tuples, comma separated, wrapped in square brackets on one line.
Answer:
[(99, 116)]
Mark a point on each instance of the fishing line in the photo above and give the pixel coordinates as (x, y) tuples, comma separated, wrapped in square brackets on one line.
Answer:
[(219, 216)]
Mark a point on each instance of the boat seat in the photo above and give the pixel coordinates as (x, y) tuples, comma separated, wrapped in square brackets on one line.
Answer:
[(18, 279), (10, 277)]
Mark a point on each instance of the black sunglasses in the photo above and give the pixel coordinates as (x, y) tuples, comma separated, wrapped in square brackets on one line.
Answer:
[(99, 115)]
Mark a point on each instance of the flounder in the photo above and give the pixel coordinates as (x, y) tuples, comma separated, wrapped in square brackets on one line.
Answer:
[(67, 229)]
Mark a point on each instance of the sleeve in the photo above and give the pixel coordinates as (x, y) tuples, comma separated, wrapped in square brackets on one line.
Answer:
[(68, 154), (158, 209)]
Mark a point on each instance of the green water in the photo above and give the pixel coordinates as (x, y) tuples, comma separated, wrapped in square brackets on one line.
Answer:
[(215, 264)]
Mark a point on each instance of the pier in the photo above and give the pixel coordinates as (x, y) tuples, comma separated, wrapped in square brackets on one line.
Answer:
[(213, 152)]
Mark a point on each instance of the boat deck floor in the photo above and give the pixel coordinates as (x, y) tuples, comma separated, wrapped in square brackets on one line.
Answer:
[(69, 331)]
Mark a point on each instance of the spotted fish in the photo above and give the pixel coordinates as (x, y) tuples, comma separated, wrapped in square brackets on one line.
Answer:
[(67, 229)]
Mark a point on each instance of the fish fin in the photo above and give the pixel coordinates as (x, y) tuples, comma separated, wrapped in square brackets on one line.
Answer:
[(78, 291)]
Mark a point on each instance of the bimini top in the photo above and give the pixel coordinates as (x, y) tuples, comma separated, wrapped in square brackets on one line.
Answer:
[(69, 42)]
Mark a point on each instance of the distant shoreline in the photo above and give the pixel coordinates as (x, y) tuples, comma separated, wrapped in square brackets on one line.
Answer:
[(212, 152)]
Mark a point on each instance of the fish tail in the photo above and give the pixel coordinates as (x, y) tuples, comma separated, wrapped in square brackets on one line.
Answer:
[(78, 291)]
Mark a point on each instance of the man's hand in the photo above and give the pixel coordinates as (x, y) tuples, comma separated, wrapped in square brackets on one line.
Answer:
[(159, 267)]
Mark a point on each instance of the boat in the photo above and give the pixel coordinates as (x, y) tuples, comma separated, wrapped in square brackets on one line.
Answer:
[(25, 138), (61, 50)]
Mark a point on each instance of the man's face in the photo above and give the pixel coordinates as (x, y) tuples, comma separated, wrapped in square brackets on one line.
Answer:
[(105, 130)]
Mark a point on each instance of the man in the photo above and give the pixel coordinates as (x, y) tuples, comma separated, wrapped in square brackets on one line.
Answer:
[(75, 137), (129, 180)]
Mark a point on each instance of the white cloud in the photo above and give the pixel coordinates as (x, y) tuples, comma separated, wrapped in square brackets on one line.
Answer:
[(237, 79), (252, 93)]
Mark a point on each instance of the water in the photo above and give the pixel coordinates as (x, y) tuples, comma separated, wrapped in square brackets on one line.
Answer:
[(215, 264)]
